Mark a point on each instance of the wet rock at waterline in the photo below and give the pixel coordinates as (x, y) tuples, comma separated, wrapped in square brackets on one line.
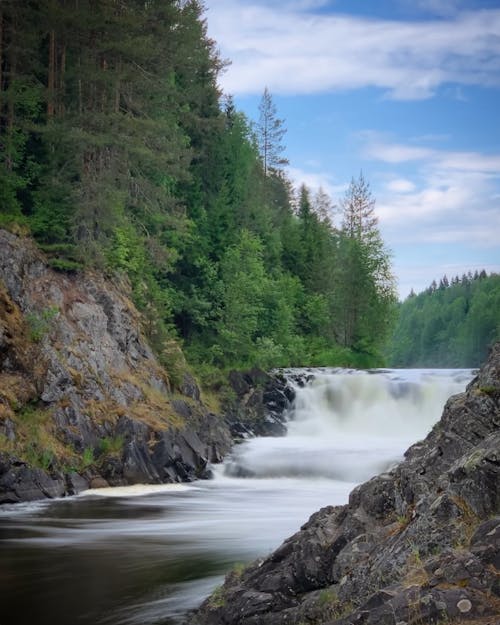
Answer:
[(83, 399), (260, 405), (417, 544)]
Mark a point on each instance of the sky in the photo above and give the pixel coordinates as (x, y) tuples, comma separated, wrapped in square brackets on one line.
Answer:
[(406, 91)]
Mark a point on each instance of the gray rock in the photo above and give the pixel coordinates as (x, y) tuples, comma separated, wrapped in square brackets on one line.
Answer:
[(419, 544), (93, 375), (260, 406)]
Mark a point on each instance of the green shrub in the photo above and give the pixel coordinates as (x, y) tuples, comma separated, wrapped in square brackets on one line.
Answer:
[(111, 445), (39, 323), (87, 458)]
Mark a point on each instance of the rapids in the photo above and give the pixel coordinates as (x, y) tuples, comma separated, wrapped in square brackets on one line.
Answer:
[(147, 554)]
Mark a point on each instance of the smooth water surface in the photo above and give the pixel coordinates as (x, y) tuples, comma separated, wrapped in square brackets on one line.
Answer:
[(142, 555)]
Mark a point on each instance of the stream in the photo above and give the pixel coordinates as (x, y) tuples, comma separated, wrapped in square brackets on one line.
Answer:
[(148, 554)]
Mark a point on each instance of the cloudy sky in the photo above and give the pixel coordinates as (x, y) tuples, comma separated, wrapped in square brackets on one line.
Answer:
[(408, 91)]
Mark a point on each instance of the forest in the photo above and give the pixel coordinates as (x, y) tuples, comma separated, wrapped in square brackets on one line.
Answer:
[(450, 324), (119, 153)]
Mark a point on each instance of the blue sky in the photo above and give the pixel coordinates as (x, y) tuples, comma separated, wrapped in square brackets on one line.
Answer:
[(408, 91)]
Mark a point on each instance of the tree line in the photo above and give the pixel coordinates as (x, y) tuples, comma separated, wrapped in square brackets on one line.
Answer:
[(118, 151), (450, 324)]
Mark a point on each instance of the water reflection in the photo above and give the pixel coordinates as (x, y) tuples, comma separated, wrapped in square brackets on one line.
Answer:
[(141, 559)]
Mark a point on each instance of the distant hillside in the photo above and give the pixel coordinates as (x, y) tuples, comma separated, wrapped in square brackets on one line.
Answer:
[(448, 325)]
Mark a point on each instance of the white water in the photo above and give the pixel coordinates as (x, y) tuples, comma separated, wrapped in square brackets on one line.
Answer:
[(350, 425), (146, 554)]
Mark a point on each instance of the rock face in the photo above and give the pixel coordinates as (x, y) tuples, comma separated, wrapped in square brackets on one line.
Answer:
[(260, 404), (83, 399), (417, 545)]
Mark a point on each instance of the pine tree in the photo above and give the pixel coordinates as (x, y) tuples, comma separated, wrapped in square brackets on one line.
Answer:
[(358, 212), (366, 283), (270, 132), (21, 95), (323, 207)]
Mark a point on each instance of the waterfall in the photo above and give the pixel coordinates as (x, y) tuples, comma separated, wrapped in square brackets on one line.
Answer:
[(146, 554), (349, 425)]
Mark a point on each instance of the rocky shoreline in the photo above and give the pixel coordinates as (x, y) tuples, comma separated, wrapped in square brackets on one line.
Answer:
[(84, 400), (417, 545)]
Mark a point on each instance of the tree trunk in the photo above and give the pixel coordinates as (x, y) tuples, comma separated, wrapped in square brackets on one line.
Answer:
[(61, 86), (52, 74), (80, 88), (12, 68), (1, 64), (117, 88)]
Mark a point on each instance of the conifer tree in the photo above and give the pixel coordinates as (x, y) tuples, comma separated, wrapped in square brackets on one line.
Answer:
[(366, 284), (270, 133)]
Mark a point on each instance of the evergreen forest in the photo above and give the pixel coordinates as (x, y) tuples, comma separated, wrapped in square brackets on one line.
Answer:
[(450, 324), (119, 153)]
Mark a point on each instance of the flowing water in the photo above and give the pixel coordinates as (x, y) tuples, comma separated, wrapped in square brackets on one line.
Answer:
[(148, 554)]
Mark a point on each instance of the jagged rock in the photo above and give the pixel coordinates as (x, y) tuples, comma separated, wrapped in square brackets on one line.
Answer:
[(419, 544), (189, 388), (261, 403), (19, 482), (73, 357), (485, 543)]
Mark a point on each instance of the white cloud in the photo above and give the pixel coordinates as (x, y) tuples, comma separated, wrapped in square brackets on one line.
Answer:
[(396, 153), (488, 164), (293, 49), (445, 212), (451, 199), (431, 138), (400, 185), (316, 180)]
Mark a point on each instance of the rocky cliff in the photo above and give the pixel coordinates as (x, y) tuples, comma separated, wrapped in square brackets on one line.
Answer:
[(83, 399), (417, 545)]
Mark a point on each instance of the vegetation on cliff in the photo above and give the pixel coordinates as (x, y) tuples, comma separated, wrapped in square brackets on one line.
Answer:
[(118, 153), (83, 399)]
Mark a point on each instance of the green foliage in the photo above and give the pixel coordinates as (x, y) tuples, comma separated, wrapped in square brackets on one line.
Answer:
[(111, 445), (367, 301), (270, 132), (39, 323), (62, 256), (118, 155), (217, 599), (489, 390), (40, 458), (239, 568), (65, 265), (174, 361), (87, 458), (243, 276), (450, 325), (327, 596)]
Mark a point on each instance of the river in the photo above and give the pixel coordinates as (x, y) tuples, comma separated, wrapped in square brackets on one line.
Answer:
[(148, 554)]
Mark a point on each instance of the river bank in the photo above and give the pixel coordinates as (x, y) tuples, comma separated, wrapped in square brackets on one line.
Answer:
[(84, 399), (148, 554), (419, 543)]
